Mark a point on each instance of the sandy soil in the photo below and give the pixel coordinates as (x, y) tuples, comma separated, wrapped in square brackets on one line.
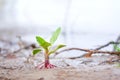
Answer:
[(14, 69), (62, 74), (21, 66)]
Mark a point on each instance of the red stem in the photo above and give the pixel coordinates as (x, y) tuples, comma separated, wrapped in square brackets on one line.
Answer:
[(46, 63), (46, 58)]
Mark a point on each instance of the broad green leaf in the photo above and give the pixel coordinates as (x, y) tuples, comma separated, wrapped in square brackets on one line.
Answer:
[(55, 35), (57, 48), (42, 42), (35, 51)]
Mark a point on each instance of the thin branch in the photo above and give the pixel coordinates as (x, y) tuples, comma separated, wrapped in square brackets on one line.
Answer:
[(88, 50), (4, 67), (92, 51), (26, 47), (112, 42)]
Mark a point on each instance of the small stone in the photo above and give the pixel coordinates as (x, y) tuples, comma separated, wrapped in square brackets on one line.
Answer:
[(41, 78)]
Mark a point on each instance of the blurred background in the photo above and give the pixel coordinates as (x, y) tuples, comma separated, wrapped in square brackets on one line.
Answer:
[(84, 23)]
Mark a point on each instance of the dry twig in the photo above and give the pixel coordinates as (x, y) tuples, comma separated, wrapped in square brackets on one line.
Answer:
[(111, 42), (92, 51)]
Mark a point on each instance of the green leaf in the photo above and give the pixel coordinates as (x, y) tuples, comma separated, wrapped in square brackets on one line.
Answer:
[(117, 49), (60, 46), (55, 35), (35, 51), (42, 42), (57, 48)]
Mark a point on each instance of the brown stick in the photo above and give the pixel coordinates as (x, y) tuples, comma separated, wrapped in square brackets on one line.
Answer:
[(26, 47), (88, 50), (111, 42)]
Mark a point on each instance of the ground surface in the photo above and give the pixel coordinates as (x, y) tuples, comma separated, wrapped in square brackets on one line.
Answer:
[(16, 63), (15, 69)]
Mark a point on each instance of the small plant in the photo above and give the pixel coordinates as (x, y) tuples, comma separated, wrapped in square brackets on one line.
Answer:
[(117, 48), (47, 48)]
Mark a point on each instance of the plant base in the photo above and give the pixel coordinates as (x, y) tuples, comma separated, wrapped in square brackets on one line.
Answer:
[(45, 65)]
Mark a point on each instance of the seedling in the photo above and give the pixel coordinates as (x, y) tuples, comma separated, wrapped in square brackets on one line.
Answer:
[(46, 47), (117, 48)]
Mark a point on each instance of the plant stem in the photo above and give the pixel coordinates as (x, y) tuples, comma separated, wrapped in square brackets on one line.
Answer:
[(46, 58), (46, 64)]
